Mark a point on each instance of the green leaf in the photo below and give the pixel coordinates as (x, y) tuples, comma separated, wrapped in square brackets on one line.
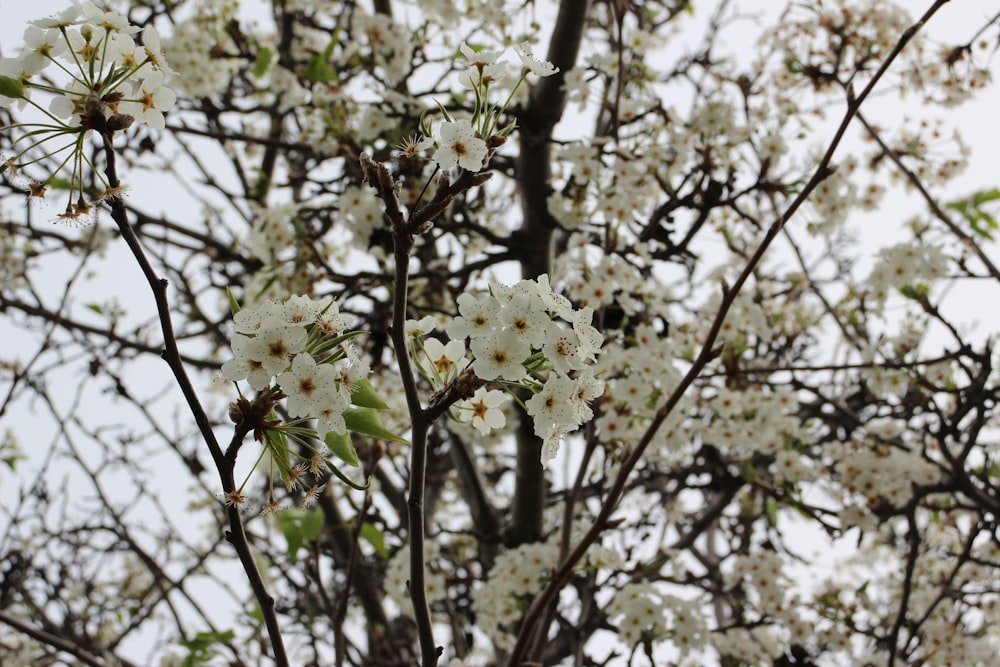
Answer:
[(204, 640), (341, 446), (317, 67), (293, 536), (771, 508), (373, 536), (201, 648), (300, 526), (363, 395), (267, 285), (991, 224), (60, 183), (263, 61), (980, 198), (338, 473), (981, 221), (96, 308), (444, 111), (11, 88), (829, 600), (234, 305), (365, 420), (334, 345), (257, 614), (312, 523), (960, 205), (11, 460), (425, 128), (317, 70), (748, 472), (507, 129), (276, 443), (918, 292), (10, 451)]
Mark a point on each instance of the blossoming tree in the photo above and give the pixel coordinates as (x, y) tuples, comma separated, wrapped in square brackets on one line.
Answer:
[(356, 333)]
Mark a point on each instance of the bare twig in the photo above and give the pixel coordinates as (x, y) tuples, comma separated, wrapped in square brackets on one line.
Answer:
[(380, 178), (57, 642)]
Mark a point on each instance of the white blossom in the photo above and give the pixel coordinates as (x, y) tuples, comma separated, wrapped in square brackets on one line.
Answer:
[(458, 145)]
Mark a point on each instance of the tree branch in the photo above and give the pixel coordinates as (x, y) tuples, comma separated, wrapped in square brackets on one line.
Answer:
[(171, 354)]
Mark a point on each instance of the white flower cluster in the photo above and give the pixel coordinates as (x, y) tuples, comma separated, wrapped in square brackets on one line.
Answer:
[(755, 420), (638, 610), (198, 49), (273, 231), (863, 31), (516, 575), (518, 333), (905, 265), (759, 645), (99, 52), (290, 343), (442, 363), (882, 473), (645, 613), (833, 199), (362, 210), (640, 371), (764, 578), (462, 142), (485, 68), (388, 44), (99, 76)]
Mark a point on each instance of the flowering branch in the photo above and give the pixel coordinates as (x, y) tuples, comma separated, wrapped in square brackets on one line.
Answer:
[(822, 171), (914, 180)]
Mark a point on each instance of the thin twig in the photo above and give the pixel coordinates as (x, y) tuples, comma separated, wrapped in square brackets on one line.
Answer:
[(340, 613), (171, 354), (57, 642), (378, 176)]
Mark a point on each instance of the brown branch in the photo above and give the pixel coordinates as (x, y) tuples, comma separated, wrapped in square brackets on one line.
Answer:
[(932, 204), (171, 354), (340, 613), (57, 642), (110, 336), (404, 230), (378, 177)]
